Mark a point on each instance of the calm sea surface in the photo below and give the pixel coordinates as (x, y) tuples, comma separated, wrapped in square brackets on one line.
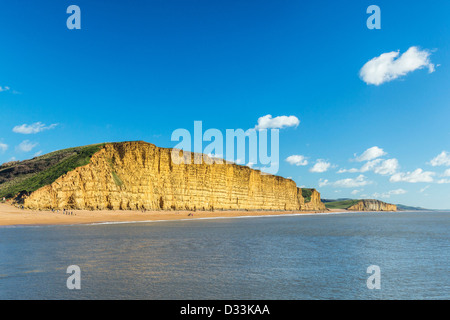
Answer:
[(296, 257)]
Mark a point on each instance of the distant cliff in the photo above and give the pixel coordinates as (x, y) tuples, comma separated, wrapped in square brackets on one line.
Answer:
[(139, 175), (372, 205), (359, 205)]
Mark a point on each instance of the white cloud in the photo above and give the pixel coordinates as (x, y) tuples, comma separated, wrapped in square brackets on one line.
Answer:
[(352, 170), (447, 173), (323, 183), (320, 166), (443, 159), (370, 154), (267, 122), (388, 194), (347, 183), (441, 181), (3, 147), (297, 160), (417, 175), (252, 166), (5, 88), (26, 146), (33, 128), (386, 167), (389, 66), (215, 155), (352, 183), (370, 165), (398, 191), (380, 195), (423, 189), (379, 166)]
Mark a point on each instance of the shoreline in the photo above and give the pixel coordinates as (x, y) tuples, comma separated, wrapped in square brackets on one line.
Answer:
[(12, 216)]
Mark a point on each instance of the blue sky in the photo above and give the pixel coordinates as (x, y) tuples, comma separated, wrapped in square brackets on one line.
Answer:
[(141, 69)]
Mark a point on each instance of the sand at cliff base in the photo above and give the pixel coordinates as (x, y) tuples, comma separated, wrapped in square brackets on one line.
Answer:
[(10, 215)]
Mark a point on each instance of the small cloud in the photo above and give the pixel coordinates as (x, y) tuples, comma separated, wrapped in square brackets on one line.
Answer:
[(370, 154), (388, 194), (267, 122), (3, 147), (379, 166), (443, 159), (33, 128), (417, 175), (297, 160), (323, 183), (446, 173), (5, 88), (215, 155), (423, 189), (352, 183), (37, 154), (389, 66), (441, 181), (370, 165), (398, 191), (251, 165), (352, 170), (387, 167), (347, 183), (320, 166), (26, 146)]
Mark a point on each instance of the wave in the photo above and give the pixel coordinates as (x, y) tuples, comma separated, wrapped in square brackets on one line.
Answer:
[(214, 218)]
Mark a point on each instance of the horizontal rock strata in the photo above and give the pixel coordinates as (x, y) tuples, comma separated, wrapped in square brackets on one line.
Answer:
[(372, 205), (139, 175)]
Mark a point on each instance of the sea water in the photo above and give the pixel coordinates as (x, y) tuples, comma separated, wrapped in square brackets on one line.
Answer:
[(282, 257)]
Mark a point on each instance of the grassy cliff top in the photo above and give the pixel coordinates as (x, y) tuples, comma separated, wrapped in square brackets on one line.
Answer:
[(30, 175), (342, 204)]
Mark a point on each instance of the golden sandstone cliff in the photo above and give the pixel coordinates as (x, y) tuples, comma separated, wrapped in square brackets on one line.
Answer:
[(372, 205), (139, 175)]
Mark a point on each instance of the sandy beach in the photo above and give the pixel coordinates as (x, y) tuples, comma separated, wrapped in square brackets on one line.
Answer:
[(10, 215)]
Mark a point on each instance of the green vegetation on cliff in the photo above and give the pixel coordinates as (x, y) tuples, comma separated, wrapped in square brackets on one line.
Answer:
[(342, 204), (306, 193), (30, 175)]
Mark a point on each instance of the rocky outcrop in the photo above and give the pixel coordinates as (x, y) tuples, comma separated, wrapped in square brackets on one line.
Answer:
[(315, 204), (139, 175), (372, 205)]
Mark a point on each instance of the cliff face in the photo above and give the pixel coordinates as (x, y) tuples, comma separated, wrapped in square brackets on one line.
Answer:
[(372, 205), (315, 204), (139, 175)]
